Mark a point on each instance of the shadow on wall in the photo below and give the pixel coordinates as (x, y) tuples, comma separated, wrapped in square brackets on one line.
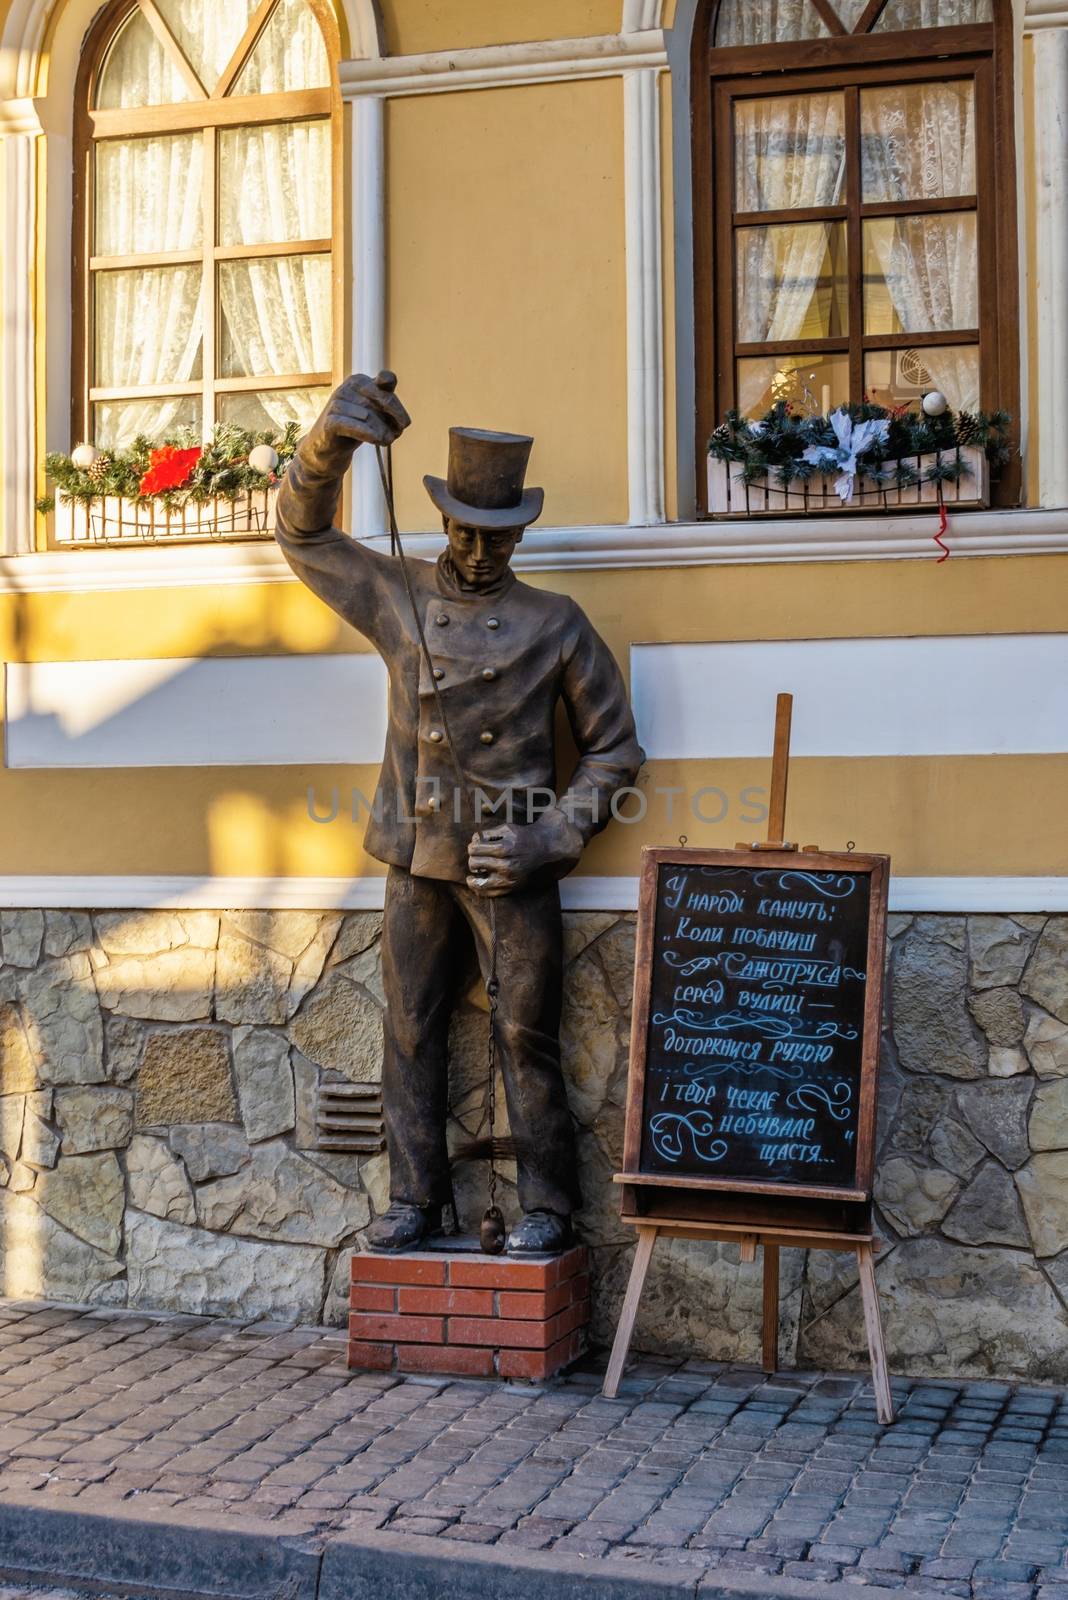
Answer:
[(158, 1147)]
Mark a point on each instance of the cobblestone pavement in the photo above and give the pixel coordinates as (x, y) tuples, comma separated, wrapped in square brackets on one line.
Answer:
[(697, 1465)]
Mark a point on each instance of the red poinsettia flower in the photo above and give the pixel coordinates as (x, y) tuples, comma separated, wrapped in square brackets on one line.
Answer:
[(168, 468)]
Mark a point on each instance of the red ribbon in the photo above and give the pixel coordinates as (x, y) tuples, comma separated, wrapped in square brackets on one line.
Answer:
[(943, 527)]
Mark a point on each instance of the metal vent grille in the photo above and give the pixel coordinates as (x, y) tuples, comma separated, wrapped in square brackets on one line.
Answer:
[(348, 1116)]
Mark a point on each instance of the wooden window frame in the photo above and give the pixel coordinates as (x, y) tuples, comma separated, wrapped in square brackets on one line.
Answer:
[(205, 114), (851, 62)]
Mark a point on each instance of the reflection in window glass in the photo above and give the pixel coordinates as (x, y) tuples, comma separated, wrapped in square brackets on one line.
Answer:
[(921, 273), (117, 423), (273, 409), (901, 14), (792, 282), (789, 151), (138, 72), (209, 31), (147, 327), (148, 194), (813, 384), (767, 22), (903, 377), (917, 141), (274, 183), (274, 316), (289, 54)]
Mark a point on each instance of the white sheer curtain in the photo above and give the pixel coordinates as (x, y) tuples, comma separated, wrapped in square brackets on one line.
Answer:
[(290, 54), (919, 143), (147, 320), (208, 31), (276, 311), (789, 152), (767, 21), (138, 72), (901, 14)]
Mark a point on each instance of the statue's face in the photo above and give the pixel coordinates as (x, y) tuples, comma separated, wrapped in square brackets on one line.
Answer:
[(481, 558)]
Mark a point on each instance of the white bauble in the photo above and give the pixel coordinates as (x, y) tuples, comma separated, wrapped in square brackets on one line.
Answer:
[(935, 404), (264, 458), (84, 456)]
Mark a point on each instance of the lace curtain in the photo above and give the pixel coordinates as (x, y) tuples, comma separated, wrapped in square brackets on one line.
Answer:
[(789, 152), (767, 21), (918, 143), (276, 311), (275, 186)]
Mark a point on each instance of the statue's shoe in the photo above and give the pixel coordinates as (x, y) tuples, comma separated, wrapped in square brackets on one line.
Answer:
[(540, 1233), (402, 1227)]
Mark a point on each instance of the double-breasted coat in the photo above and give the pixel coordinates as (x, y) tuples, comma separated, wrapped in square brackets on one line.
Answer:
[(503, 660)]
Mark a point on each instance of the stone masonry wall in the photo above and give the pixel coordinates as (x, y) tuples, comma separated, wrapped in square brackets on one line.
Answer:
[(156, 1073)]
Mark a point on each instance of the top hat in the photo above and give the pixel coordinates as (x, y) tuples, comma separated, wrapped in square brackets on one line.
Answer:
[(484, 488)]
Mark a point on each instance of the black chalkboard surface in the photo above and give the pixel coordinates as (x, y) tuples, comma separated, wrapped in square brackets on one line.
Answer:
[(757, 1016)]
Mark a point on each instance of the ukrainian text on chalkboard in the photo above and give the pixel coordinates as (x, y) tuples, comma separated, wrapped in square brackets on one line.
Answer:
[(756, 1024)]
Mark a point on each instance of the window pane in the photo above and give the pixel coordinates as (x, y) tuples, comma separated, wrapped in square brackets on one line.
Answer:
[(920, 273), (148, 194), (767, 21), (275, 316), (903, 377), (850, 12), (208, 32), (147, 327), (273, 408), (933, 14), (137, 71), (917, 141), (813, 385), (275, 183), (789, 151), (290, 54), (792, 282), (117, 423)]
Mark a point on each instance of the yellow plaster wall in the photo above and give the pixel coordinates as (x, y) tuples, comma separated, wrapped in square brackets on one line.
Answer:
[(507, 294), (412, 26), (940, 816)]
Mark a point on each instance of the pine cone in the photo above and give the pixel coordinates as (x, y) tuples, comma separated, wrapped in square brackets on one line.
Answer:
[(97, 473), (970, 429)]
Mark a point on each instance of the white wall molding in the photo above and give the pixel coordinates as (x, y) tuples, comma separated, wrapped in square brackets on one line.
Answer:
[(682, 717), (1051, 256), (1039, 14), (368, 233), (1012, 895), (498, 66), (638, 15), (669, 544), (645, 300), (20, 134)]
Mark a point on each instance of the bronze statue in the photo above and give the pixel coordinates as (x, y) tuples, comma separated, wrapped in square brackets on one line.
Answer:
[(502, 655)]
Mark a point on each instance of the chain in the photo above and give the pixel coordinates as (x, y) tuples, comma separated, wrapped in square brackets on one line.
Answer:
[(385, 472)]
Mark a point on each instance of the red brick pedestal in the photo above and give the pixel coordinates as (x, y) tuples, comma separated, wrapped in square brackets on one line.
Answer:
[(458, 1312)]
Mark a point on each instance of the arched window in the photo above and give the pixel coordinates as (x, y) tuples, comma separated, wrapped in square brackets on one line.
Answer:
[(854, 205), (206, 190)]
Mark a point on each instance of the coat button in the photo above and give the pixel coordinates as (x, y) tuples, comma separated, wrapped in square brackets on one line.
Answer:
[(439, 673), (436, 736), (442, 620), (488, 674), (487, 737), (492, 622)]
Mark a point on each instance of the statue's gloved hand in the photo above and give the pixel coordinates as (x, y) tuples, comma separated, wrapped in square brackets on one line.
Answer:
[(501, 860), (361, 410)]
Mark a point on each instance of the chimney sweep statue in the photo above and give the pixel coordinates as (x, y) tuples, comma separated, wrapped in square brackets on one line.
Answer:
[(499, 656)]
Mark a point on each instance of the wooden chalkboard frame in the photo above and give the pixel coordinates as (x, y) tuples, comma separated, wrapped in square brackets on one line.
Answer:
[(652, 859)]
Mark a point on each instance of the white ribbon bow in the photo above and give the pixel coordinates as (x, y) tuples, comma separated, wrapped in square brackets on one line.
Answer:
[(852, 442)]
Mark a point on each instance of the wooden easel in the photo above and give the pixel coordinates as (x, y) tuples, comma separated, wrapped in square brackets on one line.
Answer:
[(827, 1220)]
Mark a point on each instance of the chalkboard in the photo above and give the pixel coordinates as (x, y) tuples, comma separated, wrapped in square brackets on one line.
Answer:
[(758, 994)]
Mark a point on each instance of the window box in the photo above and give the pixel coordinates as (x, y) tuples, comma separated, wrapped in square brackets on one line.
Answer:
[(110, 520), (730, 496)]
